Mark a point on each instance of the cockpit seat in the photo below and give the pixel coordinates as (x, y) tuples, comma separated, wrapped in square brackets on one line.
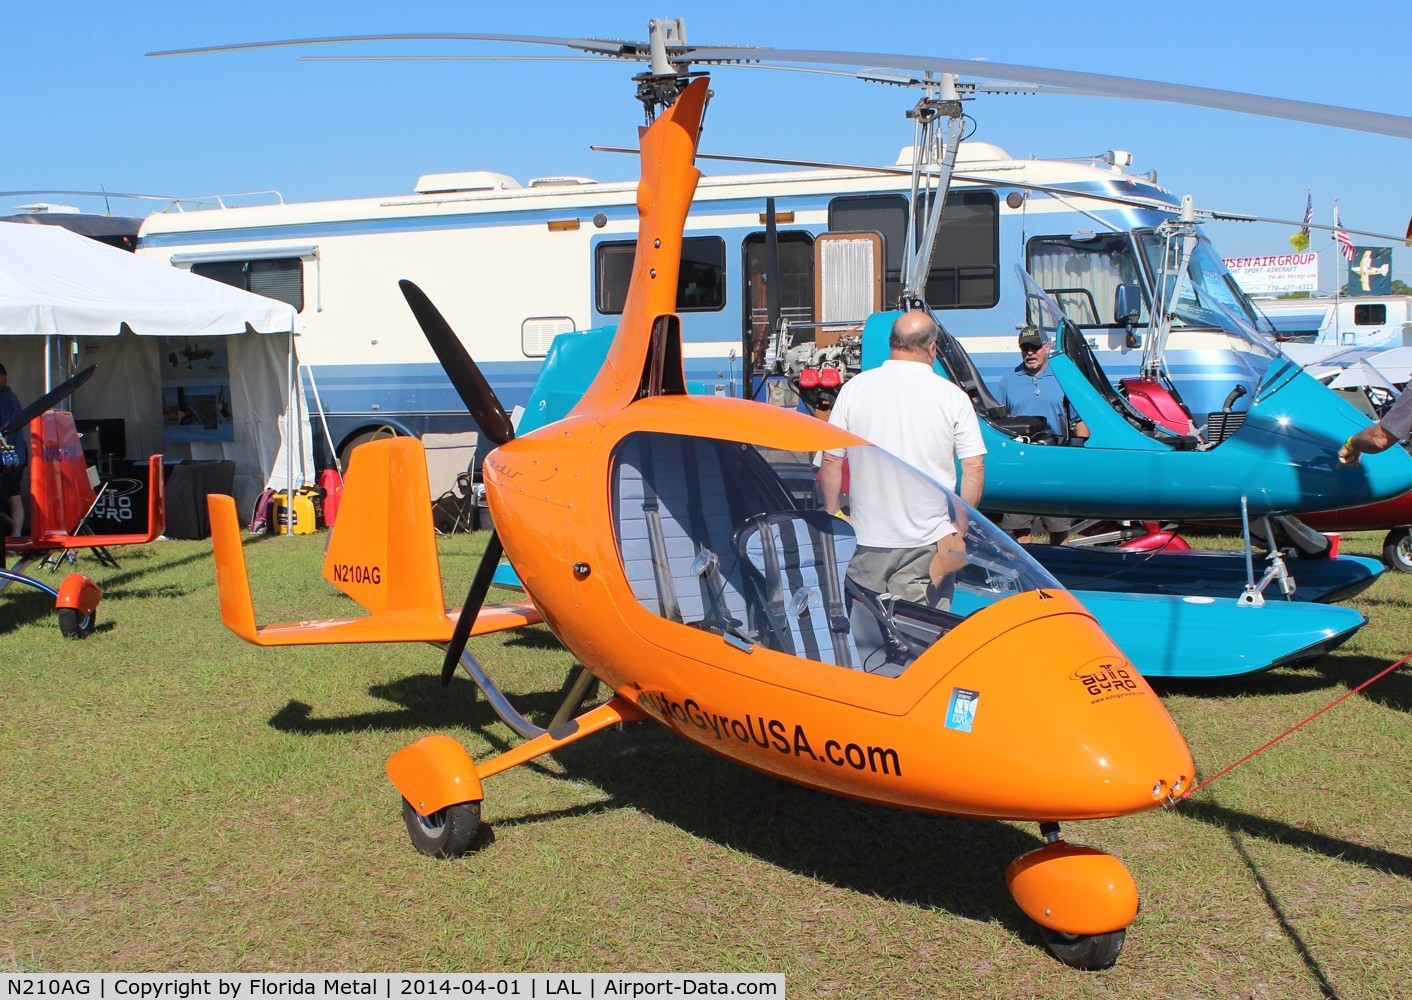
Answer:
[(794, 563), (675, 500), (961, 370)]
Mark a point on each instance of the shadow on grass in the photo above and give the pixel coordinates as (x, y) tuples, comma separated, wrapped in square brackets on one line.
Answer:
[(1237, 825), (951, 864), (423, 703), (1327, 673), (1291, 836)]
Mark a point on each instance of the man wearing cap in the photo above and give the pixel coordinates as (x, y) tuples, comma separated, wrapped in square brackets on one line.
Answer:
[(13, 457), (1031, 390), (1395, 426)]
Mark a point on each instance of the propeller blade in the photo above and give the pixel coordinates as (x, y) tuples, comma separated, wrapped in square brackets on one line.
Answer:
[(475, 597), (48, 401), (474, 390)]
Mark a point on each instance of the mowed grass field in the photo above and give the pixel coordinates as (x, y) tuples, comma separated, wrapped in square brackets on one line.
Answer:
[(174, 799)]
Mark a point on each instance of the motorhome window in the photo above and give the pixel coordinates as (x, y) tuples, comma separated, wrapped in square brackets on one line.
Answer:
[(965, 264), (1370, 315), (278, 278), (1083, 275), (965, 259), (795, 282), (885, 214), (701, 286)]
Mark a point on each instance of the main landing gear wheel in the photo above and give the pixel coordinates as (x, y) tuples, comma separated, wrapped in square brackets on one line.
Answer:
[(74, 624), (1397, 549), (446, 833), (1084, 951)]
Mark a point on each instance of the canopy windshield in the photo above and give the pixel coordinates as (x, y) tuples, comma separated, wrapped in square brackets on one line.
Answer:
[(729, 537), (1207, 297)]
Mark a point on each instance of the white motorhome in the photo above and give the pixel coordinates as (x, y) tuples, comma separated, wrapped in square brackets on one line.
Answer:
[(512, 265), (1369, 321)]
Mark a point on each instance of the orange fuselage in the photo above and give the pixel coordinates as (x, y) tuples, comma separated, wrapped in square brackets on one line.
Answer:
[(1064, 728)]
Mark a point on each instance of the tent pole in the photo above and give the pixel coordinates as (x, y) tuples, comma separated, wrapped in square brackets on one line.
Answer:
[(323, 420), (289, 441)]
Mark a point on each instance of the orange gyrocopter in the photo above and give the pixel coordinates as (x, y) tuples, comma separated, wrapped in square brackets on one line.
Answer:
[(657, 535), (61, 501)]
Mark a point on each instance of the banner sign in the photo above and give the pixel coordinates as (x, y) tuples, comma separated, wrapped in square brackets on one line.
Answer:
[(1277, 274), (1370, 271)]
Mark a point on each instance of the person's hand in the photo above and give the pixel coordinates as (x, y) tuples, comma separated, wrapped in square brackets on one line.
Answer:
[(1347, 454)]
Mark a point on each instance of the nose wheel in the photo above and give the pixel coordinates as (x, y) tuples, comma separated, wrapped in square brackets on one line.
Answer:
[(1082, 899), (1085, 951)]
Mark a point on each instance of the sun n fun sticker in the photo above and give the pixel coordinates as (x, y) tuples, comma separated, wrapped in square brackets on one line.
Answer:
[(961, 712)]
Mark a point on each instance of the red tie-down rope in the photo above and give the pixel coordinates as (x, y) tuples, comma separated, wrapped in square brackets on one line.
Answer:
[(1299, 725)]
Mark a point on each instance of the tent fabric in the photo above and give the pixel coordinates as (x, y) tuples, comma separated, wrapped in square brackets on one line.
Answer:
[(57, 283), (62, 293)]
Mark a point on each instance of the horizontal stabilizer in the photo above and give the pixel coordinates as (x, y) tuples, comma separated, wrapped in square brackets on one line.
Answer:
[(404, 625)]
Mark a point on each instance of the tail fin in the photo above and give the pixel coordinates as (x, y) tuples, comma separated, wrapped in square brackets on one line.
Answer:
[(383, 555), (382, 552)]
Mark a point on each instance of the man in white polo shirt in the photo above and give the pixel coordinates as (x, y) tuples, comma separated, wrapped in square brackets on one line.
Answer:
[(907, 409)]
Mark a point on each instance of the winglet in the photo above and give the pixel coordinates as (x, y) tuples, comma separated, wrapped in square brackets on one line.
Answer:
[(232, 580)]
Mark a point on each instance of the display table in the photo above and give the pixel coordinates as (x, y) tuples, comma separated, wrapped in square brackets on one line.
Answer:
[(187, 487), (123, 506)]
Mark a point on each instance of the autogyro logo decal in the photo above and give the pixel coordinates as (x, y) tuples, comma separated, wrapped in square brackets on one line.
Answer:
[(773, 734), (1106, 680)]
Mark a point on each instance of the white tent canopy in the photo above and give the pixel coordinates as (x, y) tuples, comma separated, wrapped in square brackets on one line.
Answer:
[(57, 283), (67, 301)]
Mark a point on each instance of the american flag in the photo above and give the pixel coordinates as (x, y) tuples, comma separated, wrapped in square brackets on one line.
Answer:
[(1308, 213), (1344, 241)]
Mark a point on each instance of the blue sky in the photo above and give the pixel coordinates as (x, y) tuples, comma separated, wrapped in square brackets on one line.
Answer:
[(85, 108)]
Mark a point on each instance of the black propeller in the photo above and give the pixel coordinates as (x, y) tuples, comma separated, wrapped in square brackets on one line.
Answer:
[(47, 401), (493, 422), (470, 384)]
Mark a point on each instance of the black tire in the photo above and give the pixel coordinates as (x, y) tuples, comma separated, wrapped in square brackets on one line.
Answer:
[(446, 833), (1397, 550), (73, 624), (1085, 951)]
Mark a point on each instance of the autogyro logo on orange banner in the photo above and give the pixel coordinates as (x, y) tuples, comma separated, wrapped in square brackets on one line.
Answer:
[(1106, 681), (772, 734)]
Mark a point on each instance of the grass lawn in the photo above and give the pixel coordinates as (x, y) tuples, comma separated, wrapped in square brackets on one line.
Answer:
[(173, 799)]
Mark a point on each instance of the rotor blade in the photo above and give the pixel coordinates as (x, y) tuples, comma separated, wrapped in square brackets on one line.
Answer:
[(474, 390), (1216, 216), (475, 597), (621, 49), (482, 58), (97, 194), (1096, 83), (48, 400)]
